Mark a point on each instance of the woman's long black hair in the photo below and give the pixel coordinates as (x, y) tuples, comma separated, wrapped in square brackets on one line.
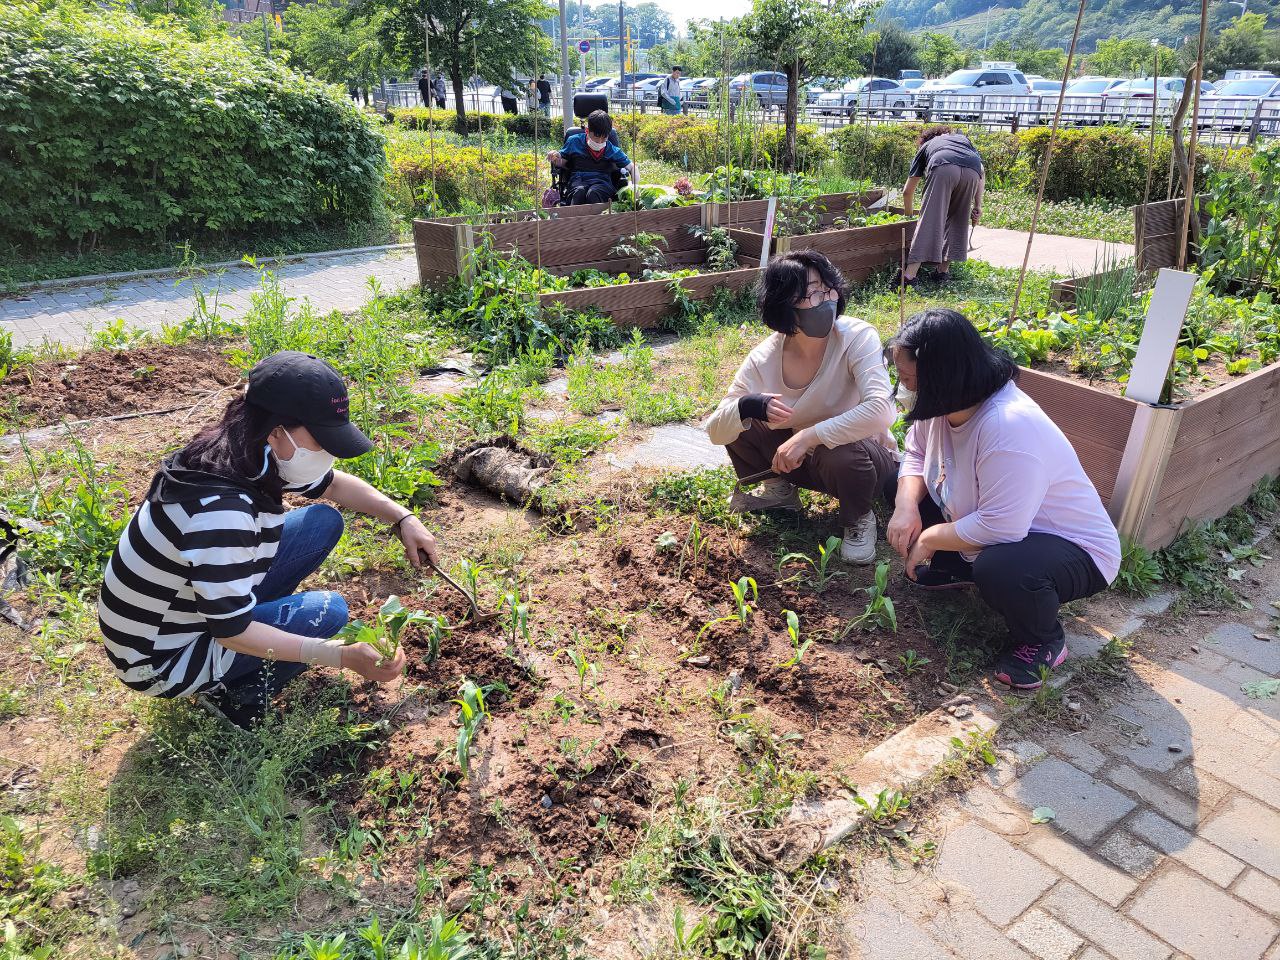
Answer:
[(955, 368), (234, 447)]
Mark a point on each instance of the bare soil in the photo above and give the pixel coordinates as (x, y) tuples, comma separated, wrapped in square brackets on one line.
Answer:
[(104, 383)]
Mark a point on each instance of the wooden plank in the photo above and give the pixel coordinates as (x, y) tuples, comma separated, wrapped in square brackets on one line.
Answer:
[(749, 243), (1223, 407), (430, 233), (1188, 462)]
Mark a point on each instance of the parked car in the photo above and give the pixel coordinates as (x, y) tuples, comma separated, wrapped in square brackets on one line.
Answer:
[(646, 91), (767, 88), (698, 91), (1132, 101), (1234, 105), (905, 75), (820, 85), (913, 83), (984, 81), (1045, 87), (1082, 102), (867, 94)]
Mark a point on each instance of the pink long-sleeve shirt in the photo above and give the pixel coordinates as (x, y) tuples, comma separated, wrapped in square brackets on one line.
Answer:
[(1009, 471)]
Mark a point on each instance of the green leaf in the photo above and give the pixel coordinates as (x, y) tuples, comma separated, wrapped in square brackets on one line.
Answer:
[(1043, 814)]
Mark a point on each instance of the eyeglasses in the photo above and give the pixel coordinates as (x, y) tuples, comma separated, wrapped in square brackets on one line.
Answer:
[(814, 296)]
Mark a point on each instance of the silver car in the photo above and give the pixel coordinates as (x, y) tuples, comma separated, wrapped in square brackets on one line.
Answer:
[(866, 94), (1235, 104)]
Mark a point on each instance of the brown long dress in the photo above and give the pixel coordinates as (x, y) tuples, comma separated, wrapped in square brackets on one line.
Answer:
[(942, 235)]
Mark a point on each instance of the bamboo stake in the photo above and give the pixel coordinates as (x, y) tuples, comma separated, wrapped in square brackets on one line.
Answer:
[(1151, 150), (1048, 156), (1189, 189)]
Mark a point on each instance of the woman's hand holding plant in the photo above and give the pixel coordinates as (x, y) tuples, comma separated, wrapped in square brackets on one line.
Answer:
[(904, 528), (363, 659)]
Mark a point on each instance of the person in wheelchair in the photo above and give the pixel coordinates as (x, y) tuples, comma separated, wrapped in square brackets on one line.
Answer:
[(592, 160)]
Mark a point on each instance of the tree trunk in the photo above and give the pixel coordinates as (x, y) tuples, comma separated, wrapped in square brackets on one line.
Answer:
[(793, 97), (1180, 155), (455, 74)]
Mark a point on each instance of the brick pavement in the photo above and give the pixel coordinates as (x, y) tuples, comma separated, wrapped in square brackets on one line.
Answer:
[(65, 314), (1166, 842)]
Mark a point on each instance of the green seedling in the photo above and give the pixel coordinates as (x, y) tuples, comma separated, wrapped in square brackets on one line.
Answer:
[(880, 611), (581, 664), (820, 566), (912, 661), (517, 616), (385, 631), (694, 544), (742, 608), (889, 806), (472, 712), (467, 572), (666, 542), (793, 632), (439, 630)]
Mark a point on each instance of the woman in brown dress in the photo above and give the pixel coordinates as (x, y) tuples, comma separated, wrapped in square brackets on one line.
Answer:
[(953, 172)]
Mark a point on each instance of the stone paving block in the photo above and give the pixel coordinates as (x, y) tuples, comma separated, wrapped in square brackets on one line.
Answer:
[(1237, 641), (968, 935), (1202, 857), (1100, 926), (1130, 854), (1240, 772), (1170, 803), (1085, 643), (1044, 936), (1200, 920), (1250, 831), (1002, 879), (988, 806), (1145, 742), (1097, 876), (1086, 807), (1260, 890), (1207, 791), (885, 933), (1079, 753)]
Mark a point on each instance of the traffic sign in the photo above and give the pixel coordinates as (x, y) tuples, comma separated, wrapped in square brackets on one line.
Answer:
[(584, 46)]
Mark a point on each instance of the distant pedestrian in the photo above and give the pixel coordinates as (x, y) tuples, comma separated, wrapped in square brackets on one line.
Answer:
[(424, 88), (439, 89), (544, 95), (954, 175), (507, 94), (670, 93)]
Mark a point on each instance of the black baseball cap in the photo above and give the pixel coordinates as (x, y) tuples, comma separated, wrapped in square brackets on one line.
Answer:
[(307, 389)]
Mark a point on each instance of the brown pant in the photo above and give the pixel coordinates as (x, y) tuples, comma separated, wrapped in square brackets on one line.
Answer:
[(853, 473), (942, 235)]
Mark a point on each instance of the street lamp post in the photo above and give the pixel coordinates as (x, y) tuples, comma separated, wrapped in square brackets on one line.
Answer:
[(566, 85)]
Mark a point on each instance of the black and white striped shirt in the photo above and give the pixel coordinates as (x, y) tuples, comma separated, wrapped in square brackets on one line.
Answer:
[(184, 576)]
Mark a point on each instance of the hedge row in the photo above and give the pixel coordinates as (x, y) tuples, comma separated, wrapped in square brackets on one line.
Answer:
[(688, 142), (1107, 163), (460, 180), (109, 128)]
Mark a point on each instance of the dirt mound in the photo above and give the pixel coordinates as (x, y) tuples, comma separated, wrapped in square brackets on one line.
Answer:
[(103, 383)]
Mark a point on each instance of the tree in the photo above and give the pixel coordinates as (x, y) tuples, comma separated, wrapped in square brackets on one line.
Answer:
[(322, 40), (496, 39), (1116, 57), (805, 38), (895, 50), (650, 24), (1241, 46), (939, 54)]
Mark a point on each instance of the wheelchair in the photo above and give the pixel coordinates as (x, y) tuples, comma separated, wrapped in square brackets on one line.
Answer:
[(584, 104)]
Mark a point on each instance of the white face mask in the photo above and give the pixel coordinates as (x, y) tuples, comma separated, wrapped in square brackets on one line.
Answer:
[(305, 467), (596, 145), (906, 398)]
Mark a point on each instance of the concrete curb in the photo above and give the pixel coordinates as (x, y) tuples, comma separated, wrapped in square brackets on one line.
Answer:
[(128, 275)]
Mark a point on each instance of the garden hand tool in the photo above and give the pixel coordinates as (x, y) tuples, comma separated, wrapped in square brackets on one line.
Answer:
[(753, 479), (474, 617)]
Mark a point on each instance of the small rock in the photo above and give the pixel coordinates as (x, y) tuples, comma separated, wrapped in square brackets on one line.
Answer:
[(1074, 706), (1175, 748), (458, 901), (597, 804), (1264, 636), (735, 681), (948, 687), (960, 700), (699, 661), (1194, 649), (962, 712), (128, 887), (546, 802), (1204, 613)]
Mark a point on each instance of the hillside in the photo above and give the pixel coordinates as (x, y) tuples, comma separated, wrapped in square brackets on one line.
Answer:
[(1050, 21)]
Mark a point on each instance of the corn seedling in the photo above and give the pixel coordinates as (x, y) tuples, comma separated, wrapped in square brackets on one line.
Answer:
[(821, 566), (880, 611), (467, 572), (471, 714), (793, 633), (439, 630), (694, 544), (581, 665), (517, 616), (742, 606), (384, 633), (912, 661)]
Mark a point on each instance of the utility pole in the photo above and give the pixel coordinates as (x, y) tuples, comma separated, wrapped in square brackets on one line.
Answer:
[(566, 85), (266, 28), (582, 33), (622, 50)]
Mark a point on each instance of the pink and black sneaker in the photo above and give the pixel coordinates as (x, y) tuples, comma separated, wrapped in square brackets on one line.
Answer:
[(1020, 666)]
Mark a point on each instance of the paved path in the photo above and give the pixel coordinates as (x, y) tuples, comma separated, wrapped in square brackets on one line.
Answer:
[(1166, 841), (65, 314)]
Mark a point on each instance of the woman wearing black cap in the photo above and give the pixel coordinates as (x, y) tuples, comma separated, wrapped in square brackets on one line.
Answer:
[(199, 596)]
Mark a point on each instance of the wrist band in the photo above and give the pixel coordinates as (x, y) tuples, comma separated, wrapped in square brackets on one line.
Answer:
[(396, 526), (326, 653)]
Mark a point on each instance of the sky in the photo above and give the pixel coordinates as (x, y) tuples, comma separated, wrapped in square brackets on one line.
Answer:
[(684, 10)]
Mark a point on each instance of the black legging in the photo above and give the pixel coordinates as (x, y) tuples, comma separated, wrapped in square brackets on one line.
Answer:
[(593, 192), (1025, 582)]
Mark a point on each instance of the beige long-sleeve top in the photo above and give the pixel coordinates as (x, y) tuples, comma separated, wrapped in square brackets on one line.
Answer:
[(849, 398)]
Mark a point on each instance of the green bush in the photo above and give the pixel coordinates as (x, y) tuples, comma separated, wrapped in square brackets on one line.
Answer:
[(112, 129), (521, 124), (1106, 163), (694, 143), (460, 180)]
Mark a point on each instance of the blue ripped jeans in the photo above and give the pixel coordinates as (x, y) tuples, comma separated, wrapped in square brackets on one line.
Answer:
[(308, 536)]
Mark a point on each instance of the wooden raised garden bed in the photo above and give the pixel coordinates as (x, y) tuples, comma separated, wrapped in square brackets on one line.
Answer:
[(645, 303)]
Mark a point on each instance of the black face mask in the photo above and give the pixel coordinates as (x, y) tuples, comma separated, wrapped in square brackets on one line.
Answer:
[(816, 321)]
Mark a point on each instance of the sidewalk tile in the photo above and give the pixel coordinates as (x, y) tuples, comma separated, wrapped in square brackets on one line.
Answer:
[(1200, 920), (985, 804), (968, 935), (1130, 854), (1171, 804), (885, 933), (1237, 641), (1101, 926), (1097, 876), (1250, 831), (1002, 880), (1202, 857), (1261, 891), (1044, 936), (1085, 807), (1079, 753)]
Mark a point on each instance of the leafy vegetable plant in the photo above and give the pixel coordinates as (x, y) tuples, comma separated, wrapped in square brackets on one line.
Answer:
[(385, 631)]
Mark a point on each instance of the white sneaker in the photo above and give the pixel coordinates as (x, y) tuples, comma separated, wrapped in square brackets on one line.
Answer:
[(859, 544), (770, 495)]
